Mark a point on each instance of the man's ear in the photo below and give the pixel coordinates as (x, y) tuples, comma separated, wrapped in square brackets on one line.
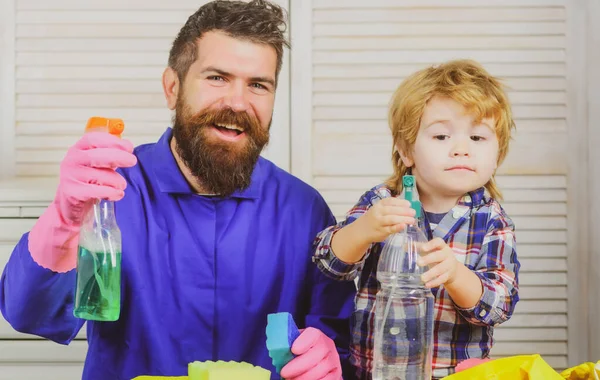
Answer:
[(171, 87)]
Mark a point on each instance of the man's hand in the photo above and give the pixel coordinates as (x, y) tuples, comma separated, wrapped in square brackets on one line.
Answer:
[(317, 358)]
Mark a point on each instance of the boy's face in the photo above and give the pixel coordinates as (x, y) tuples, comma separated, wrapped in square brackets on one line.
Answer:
[(453, 154)]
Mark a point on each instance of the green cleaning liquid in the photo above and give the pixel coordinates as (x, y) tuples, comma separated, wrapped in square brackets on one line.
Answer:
[(98, 295)]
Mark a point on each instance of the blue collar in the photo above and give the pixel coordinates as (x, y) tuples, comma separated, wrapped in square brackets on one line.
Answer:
[(171, 180)]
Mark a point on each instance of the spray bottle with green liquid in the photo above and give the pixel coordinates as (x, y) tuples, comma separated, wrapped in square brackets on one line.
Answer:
[(98, 294)]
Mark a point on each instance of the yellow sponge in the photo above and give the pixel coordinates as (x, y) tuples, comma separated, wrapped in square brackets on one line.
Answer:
[(221, 370)]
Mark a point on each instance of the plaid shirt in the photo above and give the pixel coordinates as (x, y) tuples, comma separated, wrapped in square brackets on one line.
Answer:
[(482, 238)]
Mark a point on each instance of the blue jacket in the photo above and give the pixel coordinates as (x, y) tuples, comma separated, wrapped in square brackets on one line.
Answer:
[(199, 274)]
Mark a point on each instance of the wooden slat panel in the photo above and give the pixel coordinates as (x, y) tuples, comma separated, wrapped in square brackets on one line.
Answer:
[(62, 5), (12, 229), (89, 86), (139, 71), (358, 71), (79, 114), (502, 334), (552, 279), (8, 212), (74, 128), (99, 30), (542, 265), (92, 100), (542, 292), (46, 371), (41, 351), (98, 17), (29, 170), (528, 348), (387, 4), (426, 56), (111, 45), (411, 15), (437, 42), (30, 61), (439, 28), (31, 212), (537, 320), (390, 84), (541, 307)]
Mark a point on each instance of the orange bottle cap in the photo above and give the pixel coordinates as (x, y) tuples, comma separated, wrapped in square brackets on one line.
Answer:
[(113, 126)]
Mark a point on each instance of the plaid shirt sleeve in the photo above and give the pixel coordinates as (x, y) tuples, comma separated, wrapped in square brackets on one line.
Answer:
[(498, 269), (324, 256)]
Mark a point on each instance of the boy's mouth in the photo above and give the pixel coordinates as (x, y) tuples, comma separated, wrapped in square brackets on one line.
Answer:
[(460, 168)]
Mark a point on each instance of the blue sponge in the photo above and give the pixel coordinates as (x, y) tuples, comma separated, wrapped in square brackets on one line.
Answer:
[(281, 334)]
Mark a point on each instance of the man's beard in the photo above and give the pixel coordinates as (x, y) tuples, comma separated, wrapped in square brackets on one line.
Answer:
[(221, 167)]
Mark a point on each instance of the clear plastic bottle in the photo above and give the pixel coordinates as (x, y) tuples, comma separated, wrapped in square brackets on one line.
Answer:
[(403, 339), (98, 294)]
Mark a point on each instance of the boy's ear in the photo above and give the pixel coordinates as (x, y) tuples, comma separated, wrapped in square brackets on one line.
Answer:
[(406, 159)]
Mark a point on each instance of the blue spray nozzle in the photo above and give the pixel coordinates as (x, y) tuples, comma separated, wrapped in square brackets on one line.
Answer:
[(410, 193)]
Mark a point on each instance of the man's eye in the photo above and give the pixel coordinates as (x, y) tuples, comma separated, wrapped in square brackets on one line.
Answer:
[(216, 77), (258, 86)]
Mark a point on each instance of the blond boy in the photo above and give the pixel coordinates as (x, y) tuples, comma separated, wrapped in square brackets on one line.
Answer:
[(451, 126)]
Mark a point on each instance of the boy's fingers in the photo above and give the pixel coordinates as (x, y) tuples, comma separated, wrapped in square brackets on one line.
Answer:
[(438, 281), (433, 245), (431, 258), (395, 202), (435, 272), (393, 220)]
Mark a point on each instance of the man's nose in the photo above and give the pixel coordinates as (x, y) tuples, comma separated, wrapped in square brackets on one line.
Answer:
[(237, 98)]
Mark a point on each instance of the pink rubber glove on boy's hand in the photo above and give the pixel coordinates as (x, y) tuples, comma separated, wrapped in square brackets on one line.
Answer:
[(87, 173), (317, 358)]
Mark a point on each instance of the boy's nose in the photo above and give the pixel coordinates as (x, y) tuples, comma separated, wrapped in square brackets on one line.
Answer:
[(460, 149)]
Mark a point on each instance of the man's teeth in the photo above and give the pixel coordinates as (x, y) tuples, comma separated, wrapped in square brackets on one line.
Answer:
[(230, 126)]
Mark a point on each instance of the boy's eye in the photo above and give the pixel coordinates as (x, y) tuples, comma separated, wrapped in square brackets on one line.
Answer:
[(477, 138), (441, 137)]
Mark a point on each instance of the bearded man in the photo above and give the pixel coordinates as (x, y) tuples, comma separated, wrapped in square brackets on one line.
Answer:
[(214, 237)]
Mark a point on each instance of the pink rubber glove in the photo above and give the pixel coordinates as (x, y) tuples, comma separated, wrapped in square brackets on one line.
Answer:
[(87, 173), (470, 363), (317, 358)]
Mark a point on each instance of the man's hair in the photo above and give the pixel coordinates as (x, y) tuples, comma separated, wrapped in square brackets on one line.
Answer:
[(257, 21), (464, 81)]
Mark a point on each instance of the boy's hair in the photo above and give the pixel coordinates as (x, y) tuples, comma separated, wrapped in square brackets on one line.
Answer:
[(257, 21), (464, 81)]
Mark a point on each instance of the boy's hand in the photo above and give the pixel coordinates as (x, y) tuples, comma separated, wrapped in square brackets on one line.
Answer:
[(386, 217), (440, 257)]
